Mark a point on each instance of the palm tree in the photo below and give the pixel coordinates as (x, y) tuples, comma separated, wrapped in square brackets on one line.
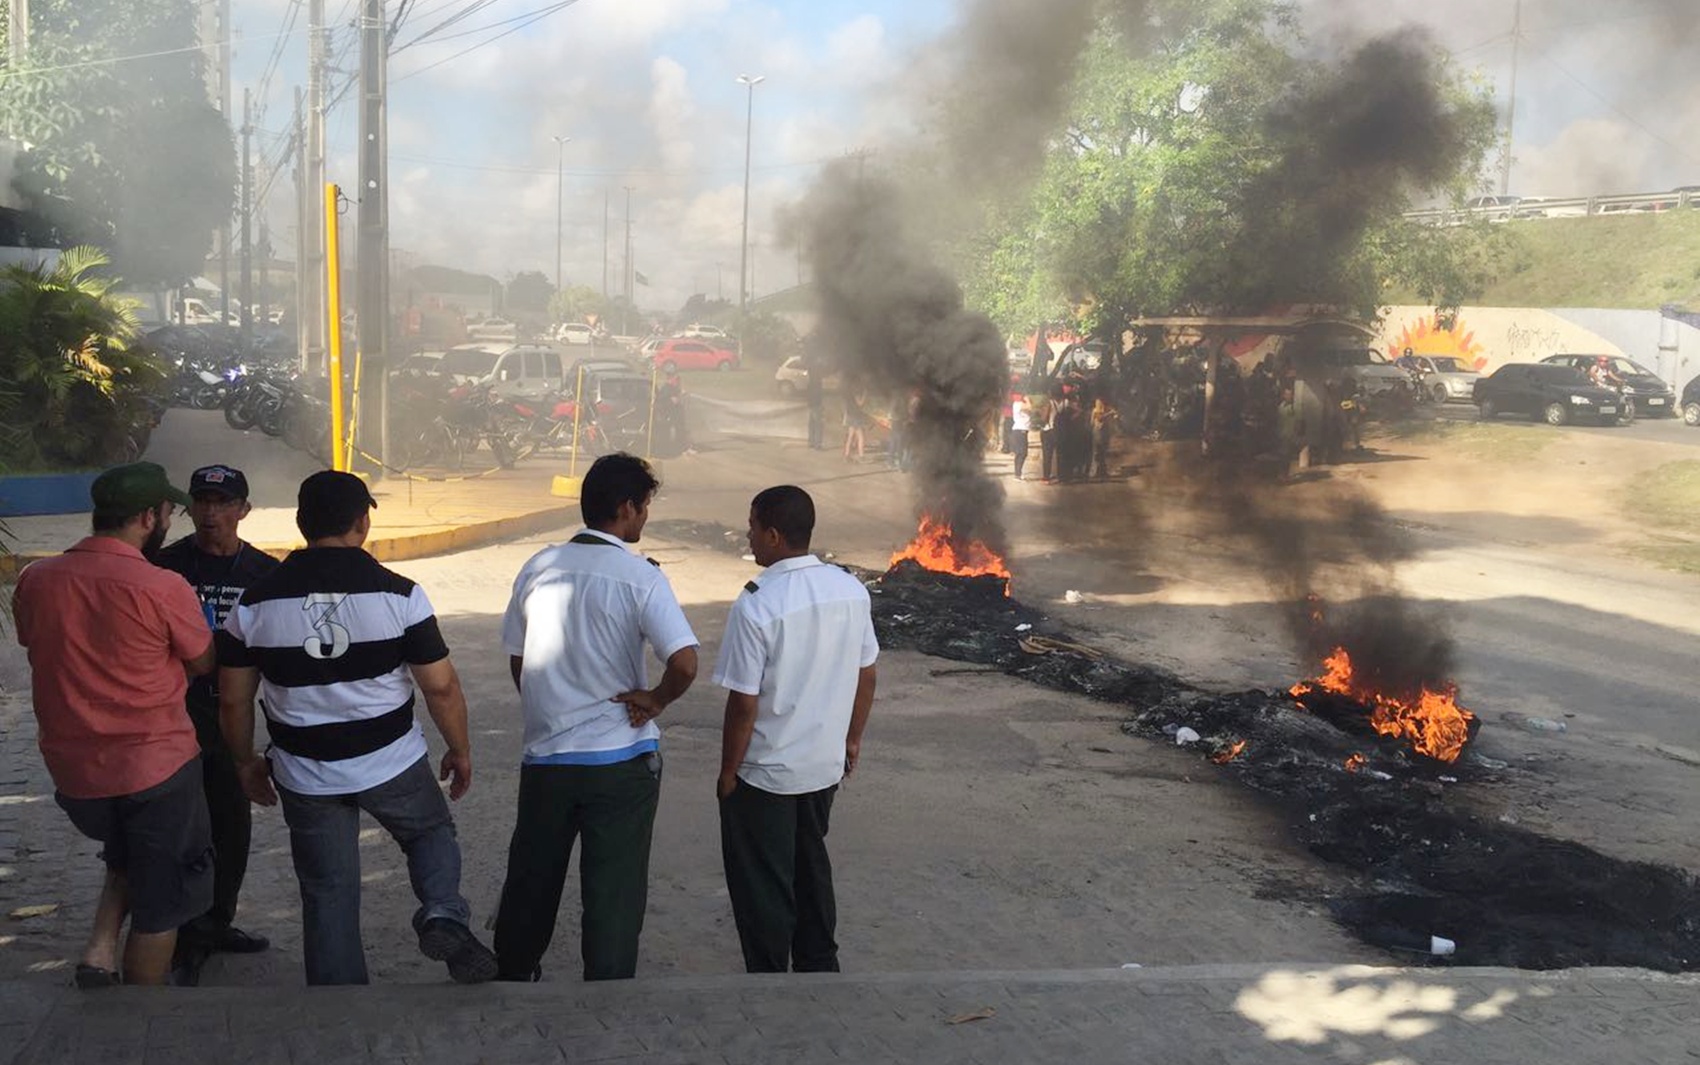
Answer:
[(71, 391)]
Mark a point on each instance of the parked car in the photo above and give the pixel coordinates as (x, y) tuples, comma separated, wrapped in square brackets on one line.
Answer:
[(698, 331), (1493, 208), (793, 376), (575, 333), (679, 353), (1691, 402), (1641, 386), (467, 363), (1555, 394), (527, 371), (425, 362), (1382, 385), (1441, 378), (492, 329)]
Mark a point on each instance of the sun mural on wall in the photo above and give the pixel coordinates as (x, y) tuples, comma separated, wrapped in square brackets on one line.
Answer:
[(1428, 336)]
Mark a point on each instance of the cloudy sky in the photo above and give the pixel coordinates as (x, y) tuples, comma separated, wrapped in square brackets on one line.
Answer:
[(647, 92)]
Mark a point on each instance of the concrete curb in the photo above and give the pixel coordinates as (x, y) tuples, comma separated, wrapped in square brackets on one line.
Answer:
[(398, 548)]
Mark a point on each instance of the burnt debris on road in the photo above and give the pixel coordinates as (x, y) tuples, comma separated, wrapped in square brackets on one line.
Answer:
[(1354, 795)]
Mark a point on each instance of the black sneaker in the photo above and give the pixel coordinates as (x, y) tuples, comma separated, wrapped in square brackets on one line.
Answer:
[(445, 940)]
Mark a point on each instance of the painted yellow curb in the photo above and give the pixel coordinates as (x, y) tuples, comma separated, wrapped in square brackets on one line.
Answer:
[(566, 487)]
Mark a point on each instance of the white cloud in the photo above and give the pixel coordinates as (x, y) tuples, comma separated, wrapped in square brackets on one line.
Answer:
[(672, 113)]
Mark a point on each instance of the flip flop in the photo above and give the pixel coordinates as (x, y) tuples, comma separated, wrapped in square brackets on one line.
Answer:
[(93, 977)]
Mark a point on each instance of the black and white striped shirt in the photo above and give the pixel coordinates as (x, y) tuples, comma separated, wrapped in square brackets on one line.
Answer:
[(333, 633)]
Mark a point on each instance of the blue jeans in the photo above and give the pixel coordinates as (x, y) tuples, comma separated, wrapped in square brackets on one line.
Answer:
[(324, 839)]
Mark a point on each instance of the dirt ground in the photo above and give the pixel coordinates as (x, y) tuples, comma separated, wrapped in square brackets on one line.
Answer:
[(994, 825)]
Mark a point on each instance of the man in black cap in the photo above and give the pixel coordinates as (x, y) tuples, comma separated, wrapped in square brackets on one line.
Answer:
[(335, 643), (112, 641), (219, 565)]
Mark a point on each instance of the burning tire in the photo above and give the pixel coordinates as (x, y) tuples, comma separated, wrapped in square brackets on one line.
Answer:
[(1556, 414)]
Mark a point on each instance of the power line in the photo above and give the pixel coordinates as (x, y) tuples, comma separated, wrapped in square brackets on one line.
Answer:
[(464, 13), (9, 73), (1621, 113), (487, 26), (501, 168), (535, 17)]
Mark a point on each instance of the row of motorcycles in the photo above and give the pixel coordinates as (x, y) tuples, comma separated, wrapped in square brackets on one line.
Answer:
[(435, 422)]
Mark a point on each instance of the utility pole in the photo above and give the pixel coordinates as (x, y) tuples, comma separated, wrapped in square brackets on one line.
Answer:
[(265, 250), (372, 306), (18, 31), (560, 162), (224, 111), (749, 82), (625, 312), (247, 328), (604, 245), (311, 314), (1511, 112), (304, 224)]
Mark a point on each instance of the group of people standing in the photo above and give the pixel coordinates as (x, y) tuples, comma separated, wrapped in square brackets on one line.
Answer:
[(1074, 438), (147, 662)]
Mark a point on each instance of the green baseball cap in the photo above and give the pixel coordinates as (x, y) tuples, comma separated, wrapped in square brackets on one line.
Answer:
[(133, 488)]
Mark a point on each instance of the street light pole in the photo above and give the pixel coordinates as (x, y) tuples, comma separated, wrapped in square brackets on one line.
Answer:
[(560, 163), (744, 241)]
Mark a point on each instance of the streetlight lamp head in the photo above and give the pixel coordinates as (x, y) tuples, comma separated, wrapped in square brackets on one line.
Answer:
[(751, 80), (561, 140)]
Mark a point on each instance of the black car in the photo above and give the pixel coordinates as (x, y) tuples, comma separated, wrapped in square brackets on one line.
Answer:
[(1691, 402), (1651, 396), (1556, 394)]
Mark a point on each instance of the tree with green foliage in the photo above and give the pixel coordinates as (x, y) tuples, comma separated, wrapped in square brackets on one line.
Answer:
[(72, 392), (529, 290), (125, 150), (1214, 165), (581, 303)]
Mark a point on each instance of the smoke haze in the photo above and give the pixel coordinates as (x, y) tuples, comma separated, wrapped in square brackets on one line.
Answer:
[(895, 323)]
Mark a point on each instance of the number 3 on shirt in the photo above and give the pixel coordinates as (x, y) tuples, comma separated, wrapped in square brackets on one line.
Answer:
[(330, 637)]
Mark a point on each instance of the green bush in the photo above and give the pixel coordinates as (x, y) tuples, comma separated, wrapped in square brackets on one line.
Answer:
[(72, 393)]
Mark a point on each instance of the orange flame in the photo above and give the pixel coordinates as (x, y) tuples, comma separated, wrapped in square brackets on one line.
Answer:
[(1355, 762), (937, 547), (1229, 753), (1433, 724)]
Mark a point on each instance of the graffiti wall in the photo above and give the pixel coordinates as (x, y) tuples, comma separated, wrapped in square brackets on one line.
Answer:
[(1486, 337)]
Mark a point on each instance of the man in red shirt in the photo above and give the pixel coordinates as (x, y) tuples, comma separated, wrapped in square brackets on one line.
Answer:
[(112, 642)]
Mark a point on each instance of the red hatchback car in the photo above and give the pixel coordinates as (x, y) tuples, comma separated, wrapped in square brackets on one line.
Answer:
[(689, 353)]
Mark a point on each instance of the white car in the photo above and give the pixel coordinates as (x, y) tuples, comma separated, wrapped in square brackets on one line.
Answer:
[(492, 329), (792, 377), (705, 332), (575, 333)]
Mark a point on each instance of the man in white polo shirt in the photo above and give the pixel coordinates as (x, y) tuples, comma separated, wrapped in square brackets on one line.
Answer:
[(580, 615), (798, 665)]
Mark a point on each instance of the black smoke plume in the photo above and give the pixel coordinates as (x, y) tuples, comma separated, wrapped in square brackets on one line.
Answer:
[(895, 323)]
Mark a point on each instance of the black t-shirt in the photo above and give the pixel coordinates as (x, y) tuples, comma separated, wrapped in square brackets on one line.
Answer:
[(218, 581)]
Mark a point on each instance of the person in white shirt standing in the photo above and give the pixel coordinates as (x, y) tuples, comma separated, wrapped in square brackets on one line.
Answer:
[(575, 629), (797, 662)]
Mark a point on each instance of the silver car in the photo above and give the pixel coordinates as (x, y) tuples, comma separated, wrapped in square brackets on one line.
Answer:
[(1441, 378)]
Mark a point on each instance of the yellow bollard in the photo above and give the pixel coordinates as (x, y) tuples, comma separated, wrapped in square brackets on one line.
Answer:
[(333, 309)]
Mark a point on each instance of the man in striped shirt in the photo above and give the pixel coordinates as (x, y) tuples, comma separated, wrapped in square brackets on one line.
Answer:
[(333, 643)]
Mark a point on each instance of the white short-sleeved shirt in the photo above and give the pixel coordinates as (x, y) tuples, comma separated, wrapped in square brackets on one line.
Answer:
[(580, 615), (1020, 416), (796, 639)]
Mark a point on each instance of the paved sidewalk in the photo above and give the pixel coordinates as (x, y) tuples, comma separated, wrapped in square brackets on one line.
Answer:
[(1218, 1014), (415, 518)]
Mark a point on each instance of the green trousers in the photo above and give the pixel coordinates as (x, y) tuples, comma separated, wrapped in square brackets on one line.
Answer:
[(780, 878), (610, 811)]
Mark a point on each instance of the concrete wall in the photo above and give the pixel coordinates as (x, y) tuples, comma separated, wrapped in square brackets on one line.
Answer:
[(1487, 337)]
